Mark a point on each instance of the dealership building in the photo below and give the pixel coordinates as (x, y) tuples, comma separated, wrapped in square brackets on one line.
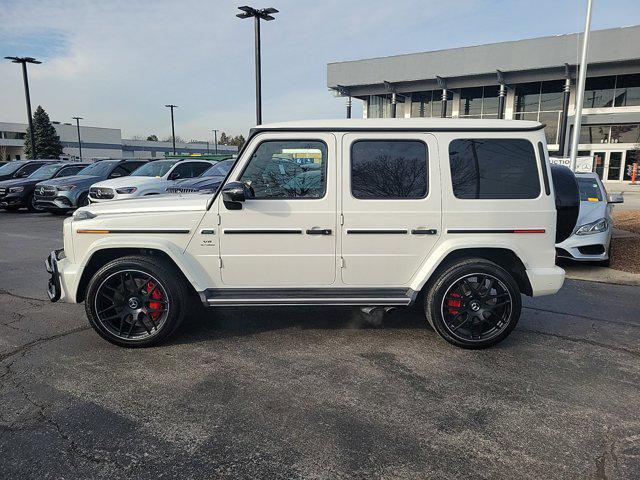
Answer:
[(100, 143), (533, 79)]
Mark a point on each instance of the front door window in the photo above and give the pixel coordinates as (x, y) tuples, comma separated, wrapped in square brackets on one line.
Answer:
[(598, 164)]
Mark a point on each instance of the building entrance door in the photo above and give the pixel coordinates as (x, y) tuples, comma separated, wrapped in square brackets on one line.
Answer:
[(598, 163), (613, 165)]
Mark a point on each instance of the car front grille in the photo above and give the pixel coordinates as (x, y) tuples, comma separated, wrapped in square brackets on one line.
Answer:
[(181, 190), (45, 191), (101, 193)]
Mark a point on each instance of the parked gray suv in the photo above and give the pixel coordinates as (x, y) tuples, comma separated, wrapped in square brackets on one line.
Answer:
[(61, 195)]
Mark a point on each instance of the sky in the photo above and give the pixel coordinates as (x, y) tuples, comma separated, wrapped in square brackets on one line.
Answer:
[(117, 63)]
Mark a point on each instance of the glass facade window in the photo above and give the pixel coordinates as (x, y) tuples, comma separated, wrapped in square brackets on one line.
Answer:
[(542, 102), (594, 134), (479, 102), (599, 92), (627, 90), (632, 158), (629, 133), (13, 135), (625, 133), (429, 104), (380, 106)]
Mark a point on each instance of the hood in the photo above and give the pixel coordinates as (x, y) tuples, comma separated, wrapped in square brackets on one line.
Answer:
[(79, 180), (199, 182), (590, 212), (154, 204), (18, 182), (129, 181)]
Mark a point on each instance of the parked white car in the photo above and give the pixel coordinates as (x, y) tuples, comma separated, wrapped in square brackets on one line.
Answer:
[(153, 178), (456, 214), (591, 238)]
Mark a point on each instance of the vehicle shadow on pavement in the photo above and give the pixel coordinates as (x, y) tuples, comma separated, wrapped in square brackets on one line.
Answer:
[(225, 322)]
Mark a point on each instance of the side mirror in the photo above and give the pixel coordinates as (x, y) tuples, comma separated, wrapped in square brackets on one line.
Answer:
[(233, 193), (615, 198)]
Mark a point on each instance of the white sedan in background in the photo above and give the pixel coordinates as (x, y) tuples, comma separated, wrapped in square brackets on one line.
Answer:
[(152, 178), (591, 238)]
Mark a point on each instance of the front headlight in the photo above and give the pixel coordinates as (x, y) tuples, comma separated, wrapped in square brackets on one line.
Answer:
[(126, 190), (65, 188), (594, 227), (83, 215), (16, 189)]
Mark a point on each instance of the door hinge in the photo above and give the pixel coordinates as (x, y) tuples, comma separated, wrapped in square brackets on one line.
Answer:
[(341, 262), (220, 262), (341, 219), (219, 219)]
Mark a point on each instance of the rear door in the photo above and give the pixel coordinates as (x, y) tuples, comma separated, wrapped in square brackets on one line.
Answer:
[(391, 206)]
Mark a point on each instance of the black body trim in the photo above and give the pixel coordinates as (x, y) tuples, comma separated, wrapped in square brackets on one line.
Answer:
[(266, 232), (377, 232), (256, 130), (543, 165), (426, 231)]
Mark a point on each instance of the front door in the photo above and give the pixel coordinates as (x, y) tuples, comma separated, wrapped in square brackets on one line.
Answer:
[(615, 161), (391, 206), (598, 163), (286, 235)]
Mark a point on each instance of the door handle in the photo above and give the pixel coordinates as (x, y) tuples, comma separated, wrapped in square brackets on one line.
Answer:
[(424, 231), (319, 231)]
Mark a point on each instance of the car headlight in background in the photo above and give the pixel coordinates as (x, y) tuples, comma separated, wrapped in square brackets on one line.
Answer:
[(83, 215), (598, 226), (65, 188), (126, 190), (15, 189)]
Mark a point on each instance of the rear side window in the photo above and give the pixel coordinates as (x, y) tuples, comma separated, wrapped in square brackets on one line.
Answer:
[(389, 169), (131, 166), (493, 168)]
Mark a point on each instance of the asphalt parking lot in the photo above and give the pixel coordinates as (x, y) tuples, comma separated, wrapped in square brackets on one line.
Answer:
[(313, 392)]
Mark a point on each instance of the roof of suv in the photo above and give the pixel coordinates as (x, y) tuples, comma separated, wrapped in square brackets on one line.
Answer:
[(459, 124)]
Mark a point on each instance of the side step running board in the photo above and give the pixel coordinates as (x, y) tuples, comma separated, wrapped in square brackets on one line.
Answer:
[(318, 296)]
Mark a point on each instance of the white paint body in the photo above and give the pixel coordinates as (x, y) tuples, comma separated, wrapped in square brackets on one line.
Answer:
[(213, 259)]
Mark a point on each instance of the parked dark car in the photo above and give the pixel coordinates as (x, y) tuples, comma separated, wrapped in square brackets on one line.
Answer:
[(208, 182), (60, 195), (21, 168), (18, 192)]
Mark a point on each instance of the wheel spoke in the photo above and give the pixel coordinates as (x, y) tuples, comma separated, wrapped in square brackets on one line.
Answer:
[(134, 321), (143, 323), (464, 322)]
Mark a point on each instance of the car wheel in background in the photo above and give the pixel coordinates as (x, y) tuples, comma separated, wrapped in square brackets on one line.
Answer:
[(473, 303), (136, 301), (31, 205), (83, 200)]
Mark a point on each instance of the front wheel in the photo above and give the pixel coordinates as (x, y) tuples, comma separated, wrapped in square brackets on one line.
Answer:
[(32, 206), (473, 304), (136, 301)]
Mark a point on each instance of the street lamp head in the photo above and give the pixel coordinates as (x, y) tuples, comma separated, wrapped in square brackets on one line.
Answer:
[(77, 118), (171, 106), (264, 14), (23, 60)]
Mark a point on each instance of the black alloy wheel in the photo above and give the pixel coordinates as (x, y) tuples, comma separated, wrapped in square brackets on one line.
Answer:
[(31, 205), (474, 304), (136, 301)]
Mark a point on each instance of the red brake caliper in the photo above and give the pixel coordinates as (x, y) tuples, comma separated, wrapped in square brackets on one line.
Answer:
[(454, 303), (155, 308)]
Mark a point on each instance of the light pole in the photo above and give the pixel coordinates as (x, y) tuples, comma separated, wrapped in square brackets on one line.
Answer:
[(215, 140), (77, 119), (582, 78), (173, 129), (24, 61), (264, 14)]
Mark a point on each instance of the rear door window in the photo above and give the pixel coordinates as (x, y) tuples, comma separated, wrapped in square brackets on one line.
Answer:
[(493, 168)]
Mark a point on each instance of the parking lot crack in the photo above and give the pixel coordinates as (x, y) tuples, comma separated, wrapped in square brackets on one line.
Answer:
[(583, 341), (585, 317), (29, 345)]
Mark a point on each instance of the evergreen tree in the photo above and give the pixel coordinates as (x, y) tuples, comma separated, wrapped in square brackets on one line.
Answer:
[(237, 141), (47, 140), (223, 140)]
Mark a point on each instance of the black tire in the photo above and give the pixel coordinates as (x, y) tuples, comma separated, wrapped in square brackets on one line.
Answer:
[(144, 326), (83, 200), (31, 205), (488, 313)]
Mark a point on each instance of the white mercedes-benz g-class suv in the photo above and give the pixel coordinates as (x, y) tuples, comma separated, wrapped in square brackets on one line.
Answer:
[(457, 214)]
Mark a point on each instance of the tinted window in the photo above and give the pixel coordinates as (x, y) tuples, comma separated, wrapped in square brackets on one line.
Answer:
[(68, 171), (10, 167), (389, 169), (119, 171), (188, 170), (589, 190), (154, 169), (131, 166), (28, 169), (493, 168), (98, 168), (288, 169)]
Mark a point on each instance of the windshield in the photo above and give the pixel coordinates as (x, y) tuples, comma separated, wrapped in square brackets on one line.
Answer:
[(589, 190), (46, 171), (154, 169), (219, 169), (98, 169), (10, 167)]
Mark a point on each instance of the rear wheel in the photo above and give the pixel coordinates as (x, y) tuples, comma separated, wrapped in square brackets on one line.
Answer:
[(473, 303), (136, 301)]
